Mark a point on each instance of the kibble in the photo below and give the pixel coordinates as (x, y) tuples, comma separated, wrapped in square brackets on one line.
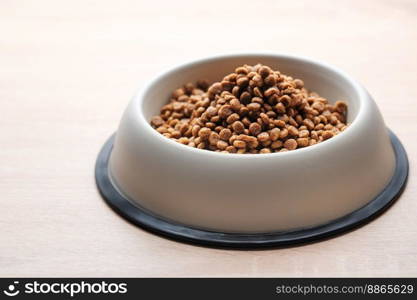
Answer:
[(253, 110), (290, 144), (263, 137)]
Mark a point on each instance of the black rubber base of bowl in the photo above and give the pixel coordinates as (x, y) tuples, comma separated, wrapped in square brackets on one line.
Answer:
[(180, 232)]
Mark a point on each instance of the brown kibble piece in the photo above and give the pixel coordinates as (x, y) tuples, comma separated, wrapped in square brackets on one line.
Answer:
[(178, 92), (231, 149), (254, 106), (232, 118), (204, 133), (298, 83), (319, 106), (157, 121), (327, 135), (235, 104), (264, 71), (243, 81), (274, 134), (309, 124), (176, 134), (302, 142), (255, 129), (211, 111), (222, 145), (241, 70), (280, 108), (264, 118), (276, 144), (340, 106), (262, 137), (183, 140), (270, 80), (265, 150), (238, 127), (239, 144), (283, 133), (225, 111), (195, 130), (290, 144), (303, 133), (214, 89), (292, 131), (271, 91), (201, 145), (225, 134), (245, 97), (214, 138), (279, 123)]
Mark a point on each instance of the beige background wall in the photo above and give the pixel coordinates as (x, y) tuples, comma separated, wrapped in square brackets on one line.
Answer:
[(68, 69)]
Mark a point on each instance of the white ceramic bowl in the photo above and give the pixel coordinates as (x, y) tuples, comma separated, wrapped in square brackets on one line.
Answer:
[(253, 193)]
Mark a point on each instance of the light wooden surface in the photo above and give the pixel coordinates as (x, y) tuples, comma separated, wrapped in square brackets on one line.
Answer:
[(67, 71)]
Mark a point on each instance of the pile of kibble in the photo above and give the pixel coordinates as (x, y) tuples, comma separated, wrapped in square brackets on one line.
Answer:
[(253, 110)]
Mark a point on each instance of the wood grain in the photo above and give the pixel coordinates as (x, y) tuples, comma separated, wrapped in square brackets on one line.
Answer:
[(67, 71)]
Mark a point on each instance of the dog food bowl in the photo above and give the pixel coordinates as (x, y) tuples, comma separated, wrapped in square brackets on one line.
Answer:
[(252, 200)]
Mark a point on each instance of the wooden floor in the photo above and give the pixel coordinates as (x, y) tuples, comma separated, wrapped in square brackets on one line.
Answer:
[(67, 71)]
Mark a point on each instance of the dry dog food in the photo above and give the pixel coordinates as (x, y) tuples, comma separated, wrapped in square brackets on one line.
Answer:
[(252, 110)]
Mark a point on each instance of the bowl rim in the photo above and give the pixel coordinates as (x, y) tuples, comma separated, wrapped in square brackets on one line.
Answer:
[(138, 101)]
